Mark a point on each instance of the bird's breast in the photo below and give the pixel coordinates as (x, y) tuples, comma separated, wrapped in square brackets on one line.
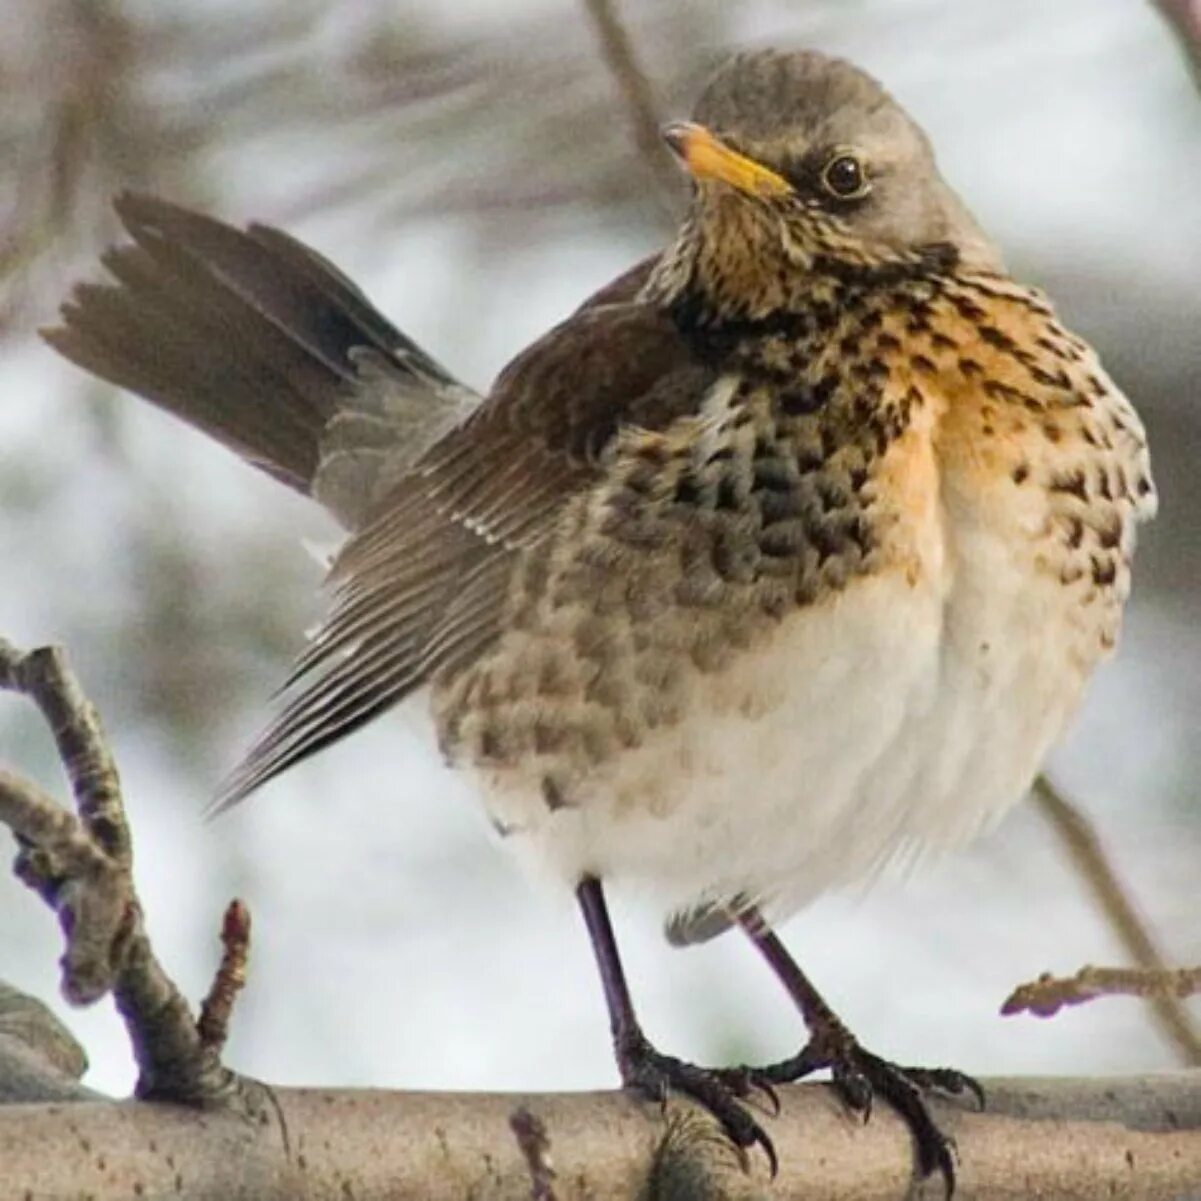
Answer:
[(780, 646)]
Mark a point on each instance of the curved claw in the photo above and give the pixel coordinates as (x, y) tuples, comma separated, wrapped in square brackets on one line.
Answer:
[(654, 1074), (859, 1076), (743, 1081), (854, 1088), (947, 1080)]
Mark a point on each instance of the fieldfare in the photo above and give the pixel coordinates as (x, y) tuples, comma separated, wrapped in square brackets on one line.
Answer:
[(789, 551)]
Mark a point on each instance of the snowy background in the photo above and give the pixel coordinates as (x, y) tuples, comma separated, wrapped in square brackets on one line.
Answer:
[(475, 172)]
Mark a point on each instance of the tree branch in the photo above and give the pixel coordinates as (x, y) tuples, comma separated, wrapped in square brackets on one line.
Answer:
[(1126, 1138)]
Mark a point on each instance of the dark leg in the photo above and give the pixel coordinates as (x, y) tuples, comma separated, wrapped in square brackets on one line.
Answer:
[(858, 1074), (642, 1067)]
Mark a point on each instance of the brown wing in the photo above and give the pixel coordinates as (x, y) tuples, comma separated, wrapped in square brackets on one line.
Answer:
[(423, 586)]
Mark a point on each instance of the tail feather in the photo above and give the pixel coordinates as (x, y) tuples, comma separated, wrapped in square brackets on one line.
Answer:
[(261, 343)]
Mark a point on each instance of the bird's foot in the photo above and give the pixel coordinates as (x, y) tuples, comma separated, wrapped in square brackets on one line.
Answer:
[(654, 1075), (859, 1076)]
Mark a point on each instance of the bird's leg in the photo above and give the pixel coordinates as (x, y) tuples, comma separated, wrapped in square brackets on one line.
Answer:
[(858, 1075), (643, 1068)]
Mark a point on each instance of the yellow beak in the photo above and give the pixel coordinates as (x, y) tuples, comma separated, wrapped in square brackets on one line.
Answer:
[(706, 157)]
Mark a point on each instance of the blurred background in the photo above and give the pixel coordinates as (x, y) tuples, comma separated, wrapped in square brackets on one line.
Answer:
[(477, 168)]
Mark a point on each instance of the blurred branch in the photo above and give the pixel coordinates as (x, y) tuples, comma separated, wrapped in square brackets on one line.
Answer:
[(1048, 994), (1184, 17), (617, 49), (1084, 848)]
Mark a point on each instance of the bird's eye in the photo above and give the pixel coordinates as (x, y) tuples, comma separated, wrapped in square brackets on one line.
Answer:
[(845, 178)]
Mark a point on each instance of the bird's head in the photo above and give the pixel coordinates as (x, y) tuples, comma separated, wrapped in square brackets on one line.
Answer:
[(800, 161)]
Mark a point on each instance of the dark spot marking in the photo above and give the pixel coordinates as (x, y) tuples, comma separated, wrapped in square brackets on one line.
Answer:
[(969, 309), (970, 368), (1051, 431), (1072, 483), (782, 540), (860, 533), (780, 506), (800, 402), (727, 498), (772, 475), (687, 490), (831, 496), (808, 460), (1105, 571), (921, 363), (826, 542), (552, 794), (1021, 473), (653, 451)]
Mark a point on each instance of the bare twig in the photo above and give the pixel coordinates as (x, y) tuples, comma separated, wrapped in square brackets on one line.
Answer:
[(213, 1023), (617, 50), (82, 867), (1045, 996), (1082, 844)]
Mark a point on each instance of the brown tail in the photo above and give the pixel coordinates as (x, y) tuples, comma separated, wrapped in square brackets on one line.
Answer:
[(264, 345)]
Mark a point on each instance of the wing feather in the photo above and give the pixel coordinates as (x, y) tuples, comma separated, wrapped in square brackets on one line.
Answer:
[(423, 587)]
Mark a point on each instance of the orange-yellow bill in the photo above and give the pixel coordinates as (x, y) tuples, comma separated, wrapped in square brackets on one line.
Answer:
[(707, 157)]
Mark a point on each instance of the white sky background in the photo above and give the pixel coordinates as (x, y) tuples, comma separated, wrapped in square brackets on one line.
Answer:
[(395, 944)]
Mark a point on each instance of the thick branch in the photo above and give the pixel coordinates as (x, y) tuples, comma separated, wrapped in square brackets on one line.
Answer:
[(1054, 1138)]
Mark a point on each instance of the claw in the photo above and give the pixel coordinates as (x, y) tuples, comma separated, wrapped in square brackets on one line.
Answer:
[(654, 1075), (855, 1089), (946, 1080), (859, 1076), (743, 1081)]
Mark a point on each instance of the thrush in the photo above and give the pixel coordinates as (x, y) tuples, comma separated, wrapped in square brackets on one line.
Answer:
[(788, 552)]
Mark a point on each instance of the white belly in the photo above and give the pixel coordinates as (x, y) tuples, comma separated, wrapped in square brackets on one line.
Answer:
[(889, 720)]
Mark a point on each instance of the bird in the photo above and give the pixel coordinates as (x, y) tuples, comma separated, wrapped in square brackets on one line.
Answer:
[(788, 553)]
